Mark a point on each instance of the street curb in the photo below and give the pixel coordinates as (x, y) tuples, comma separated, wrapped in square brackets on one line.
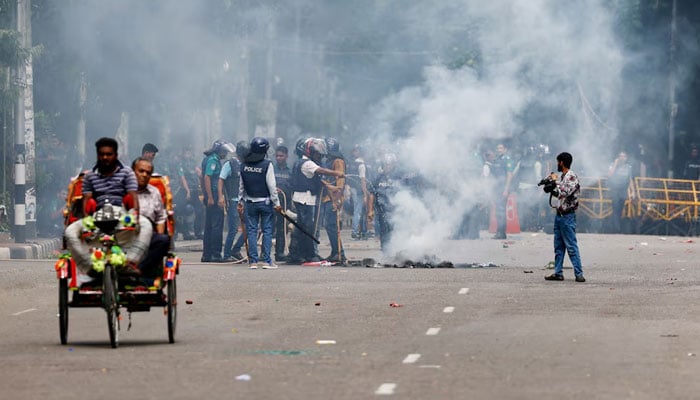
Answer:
[(38, 250)]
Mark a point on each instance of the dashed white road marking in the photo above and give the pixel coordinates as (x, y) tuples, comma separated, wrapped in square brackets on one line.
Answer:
[(432, 331), (386, 388), (464, 290), (448, 310), (430, 366), (24, 311), (411, 358)]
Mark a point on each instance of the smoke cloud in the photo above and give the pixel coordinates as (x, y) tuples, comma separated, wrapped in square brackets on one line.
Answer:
[(535, 55)]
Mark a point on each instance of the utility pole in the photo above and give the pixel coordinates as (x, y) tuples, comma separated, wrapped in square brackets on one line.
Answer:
[(82, 123), (673, 107), (20, 154)]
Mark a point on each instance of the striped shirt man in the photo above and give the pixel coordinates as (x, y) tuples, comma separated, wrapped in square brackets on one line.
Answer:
[(113, 187)]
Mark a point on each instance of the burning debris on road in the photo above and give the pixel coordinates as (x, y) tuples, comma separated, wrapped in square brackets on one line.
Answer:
[(428, 262)]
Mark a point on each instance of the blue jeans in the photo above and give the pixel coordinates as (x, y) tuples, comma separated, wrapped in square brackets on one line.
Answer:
[(232, 221), (358, 207), (565, 241), (259, 213)]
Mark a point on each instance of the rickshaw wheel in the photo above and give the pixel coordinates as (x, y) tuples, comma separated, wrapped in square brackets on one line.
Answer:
[(109, 295), (172, 310), (63, 309)]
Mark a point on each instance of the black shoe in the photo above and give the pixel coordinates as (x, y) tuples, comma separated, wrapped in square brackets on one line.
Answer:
[(294, 260), (555, 277), (580, 278), (313, 259), (233, 258), (281, 258), (334, 258)]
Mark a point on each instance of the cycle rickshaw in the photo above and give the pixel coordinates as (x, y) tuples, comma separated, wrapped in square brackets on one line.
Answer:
[(116, 291)]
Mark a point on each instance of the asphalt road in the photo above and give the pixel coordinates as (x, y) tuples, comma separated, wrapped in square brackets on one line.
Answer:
[(631, 331)]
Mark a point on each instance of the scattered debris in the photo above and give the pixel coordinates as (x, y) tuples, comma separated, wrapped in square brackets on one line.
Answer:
[(323, 263), (528, 271), (691, 354), (244, 377), (689, 241), (233, 330), (644, 244), (669, 335), (282, 352), (318, 303), (188, 301), (325, 342), (392, 304)]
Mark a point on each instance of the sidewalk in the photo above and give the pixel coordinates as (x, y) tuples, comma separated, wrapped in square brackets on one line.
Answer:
[(33, 249)]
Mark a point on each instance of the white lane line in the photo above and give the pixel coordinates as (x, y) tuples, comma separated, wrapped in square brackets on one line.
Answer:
[(24, 311), (411, 358), (386, 388), (464, 290), (430, 366), (448, 310), (432, 331)]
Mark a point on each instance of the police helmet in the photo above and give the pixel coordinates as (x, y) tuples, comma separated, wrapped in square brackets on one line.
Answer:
[(299, 147), (258, 149), (332, 145), (315, 146), (242, 149)]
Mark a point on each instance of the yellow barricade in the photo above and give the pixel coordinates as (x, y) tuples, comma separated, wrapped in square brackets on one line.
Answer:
[(595, 201), (666, 199)]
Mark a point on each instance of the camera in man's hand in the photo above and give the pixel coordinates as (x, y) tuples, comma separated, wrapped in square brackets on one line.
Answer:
[(549, 183)]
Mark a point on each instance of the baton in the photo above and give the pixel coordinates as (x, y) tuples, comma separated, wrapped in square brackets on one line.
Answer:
[(302, 230)]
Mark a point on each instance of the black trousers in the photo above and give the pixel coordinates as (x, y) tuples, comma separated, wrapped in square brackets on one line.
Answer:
[(213, 232)]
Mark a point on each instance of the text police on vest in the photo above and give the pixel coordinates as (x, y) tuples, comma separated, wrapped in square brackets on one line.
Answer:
[(252, 169)]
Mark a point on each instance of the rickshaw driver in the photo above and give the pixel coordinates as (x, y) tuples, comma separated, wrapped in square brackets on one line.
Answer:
[(109, 180), (151, 206)]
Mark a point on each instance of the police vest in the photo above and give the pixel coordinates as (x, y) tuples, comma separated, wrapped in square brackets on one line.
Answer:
[(283, 176), (254, 178), (231, 183), (300, 183)]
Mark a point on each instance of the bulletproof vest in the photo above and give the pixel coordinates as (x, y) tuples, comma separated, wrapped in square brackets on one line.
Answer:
[(353, 171), (300, 183), (384, 188), (526, 171), (283, 176), (253, 175), (231, 183), (498, 167)]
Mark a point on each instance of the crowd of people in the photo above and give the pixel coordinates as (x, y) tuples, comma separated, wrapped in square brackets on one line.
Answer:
[(241, 184), (241, 195)]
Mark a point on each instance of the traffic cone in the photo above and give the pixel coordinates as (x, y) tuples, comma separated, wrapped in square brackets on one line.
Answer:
[(512, 220)]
